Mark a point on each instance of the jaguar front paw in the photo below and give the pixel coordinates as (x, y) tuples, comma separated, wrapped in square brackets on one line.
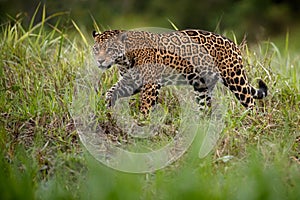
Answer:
[(109, 100)]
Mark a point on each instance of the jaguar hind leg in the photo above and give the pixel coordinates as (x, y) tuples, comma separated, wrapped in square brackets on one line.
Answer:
[(203, 98), (203, 88)]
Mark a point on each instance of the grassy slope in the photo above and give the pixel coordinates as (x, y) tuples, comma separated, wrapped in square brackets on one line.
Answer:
[(41, 155)]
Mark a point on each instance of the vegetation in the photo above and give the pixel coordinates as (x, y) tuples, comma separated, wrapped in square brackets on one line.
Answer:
[(258, 19), (43, 158)]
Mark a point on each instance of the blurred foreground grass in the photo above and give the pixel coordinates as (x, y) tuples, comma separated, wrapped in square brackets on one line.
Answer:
[(42, 157)]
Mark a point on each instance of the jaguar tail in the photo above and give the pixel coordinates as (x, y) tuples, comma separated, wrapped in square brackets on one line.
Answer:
[(261, 92)]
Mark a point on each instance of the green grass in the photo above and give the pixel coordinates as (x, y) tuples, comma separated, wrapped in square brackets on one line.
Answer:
[(43, 158)]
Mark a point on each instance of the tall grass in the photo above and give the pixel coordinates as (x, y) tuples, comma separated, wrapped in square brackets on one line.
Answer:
[(42, 157), (38, 65)]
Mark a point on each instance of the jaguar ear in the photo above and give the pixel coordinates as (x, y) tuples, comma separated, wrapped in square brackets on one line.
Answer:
[(95, 34)]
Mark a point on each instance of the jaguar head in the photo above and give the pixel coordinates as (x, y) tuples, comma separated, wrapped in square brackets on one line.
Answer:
[(109, 48)]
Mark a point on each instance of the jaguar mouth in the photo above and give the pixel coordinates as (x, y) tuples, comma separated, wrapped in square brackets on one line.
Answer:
[(104, 66)]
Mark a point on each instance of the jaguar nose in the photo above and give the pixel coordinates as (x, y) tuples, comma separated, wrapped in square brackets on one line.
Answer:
[(100, 62)]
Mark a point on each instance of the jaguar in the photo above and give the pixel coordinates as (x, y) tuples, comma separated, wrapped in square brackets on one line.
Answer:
[(147, 61)]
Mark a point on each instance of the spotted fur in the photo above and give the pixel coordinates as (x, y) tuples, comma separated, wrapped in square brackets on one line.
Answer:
[(147, 61)]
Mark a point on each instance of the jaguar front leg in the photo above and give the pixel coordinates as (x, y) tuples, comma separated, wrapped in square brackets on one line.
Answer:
[(127, 86), (149, 97)]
